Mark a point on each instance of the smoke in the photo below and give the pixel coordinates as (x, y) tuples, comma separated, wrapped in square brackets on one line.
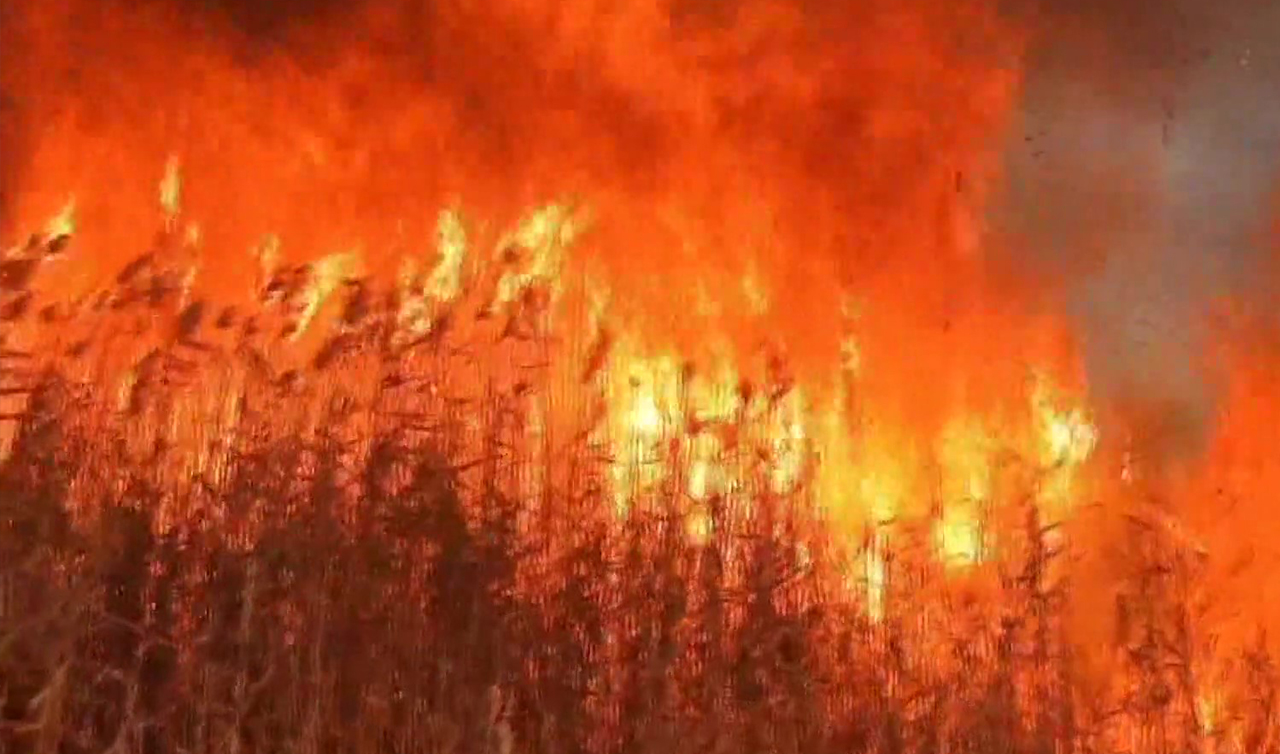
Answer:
[(1139, 186), (1141, 179)]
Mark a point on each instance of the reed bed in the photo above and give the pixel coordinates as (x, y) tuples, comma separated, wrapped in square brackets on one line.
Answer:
[(210, 544)]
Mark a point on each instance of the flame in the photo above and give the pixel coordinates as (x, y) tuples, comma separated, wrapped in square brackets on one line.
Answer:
[(327, 274), (544, 234), (876, 578), (965, 461), (1222, 506), (1208, 709), (698, 527), (445, 282), (64, 222), (171, 189), (724, 235), (1067, 440), (1068, 437)]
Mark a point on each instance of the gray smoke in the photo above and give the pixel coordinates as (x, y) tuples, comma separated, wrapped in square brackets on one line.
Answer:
[(1143, 173)]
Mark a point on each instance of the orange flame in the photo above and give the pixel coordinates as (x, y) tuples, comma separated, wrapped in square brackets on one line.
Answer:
[(827, 279)]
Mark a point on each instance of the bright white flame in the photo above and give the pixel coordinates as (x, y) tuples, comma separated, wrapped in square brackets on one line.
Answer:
[(958, 537), (1067, 439), (1068, 436), (1071, 438), (645, 419)]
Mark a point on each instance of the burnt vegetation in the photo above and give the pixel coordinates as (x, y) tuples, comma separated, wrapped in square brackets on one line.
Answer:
[(209, 545)]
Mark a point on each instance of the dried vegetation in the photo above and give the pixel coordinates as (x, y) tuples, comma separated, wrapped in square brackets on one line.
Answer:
[(209, 544)]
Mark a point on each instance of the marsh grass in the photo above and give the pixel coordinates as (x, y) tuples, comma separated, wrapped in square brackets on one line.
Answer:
[(208, 544)]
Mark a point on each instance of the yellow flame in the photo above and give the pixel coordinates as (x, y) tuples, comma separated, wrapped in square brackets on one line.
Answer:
[(883, 479), (546, 234), (171, 188), (1067, 436), (958, 537), (640, 415), (1067, 439), (63, 223), (413, 315), (698, 527), (875, 573), (965, 451), (327, 274), (267, 254), (644, 419), (789, 444), (850, 357), (1208, 706), (706, 478), (188, 282), (445, 283)]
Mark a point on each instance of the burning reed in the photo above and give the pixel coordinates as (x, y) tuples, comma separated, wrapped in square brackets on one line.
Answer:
[(358, 516)]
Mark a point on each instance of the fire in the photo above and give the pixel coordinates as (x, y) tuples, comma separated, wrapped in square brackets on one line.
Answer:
[(875, 574), (1209, 710), (862, 463), (171, 190), (445, 282), (1068, 437), (327, 274), (64, 222), (727, 278), (659, 410), (643, 419)]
